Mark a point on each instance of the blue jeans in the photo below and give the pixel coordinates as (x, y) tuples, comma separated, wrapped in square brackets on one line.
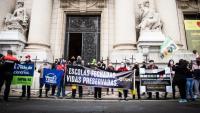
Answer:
[(189, 89), (61, 87)]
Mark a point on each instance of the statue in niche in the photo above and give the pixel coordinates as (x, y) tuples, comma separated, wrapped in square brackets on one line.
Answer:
[(19, 19), (149, 19)]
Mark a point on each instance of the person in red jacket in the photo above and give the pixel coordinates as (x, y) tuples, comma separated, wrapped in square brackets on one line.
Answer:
[(61, 87), (7, 72), (125, 91)]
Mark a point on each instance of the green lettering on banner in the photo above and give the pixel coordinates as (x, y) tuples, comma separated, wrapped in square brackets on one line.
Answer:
[(22, 80)]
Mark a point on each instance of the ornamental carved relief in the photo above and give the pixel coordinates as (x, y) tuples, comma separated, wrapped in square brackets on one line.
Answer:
[(82, 5), (189, 4)]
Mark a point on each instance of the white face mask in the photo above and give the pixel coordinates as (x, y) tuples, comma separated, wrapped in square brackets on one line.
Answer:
[(122, 65), (151, 63)]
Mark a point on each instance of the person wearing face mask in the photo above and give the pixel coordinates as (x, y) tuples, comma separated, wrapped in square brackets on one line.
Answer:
[(41, 70), (171, 65), (124, 91), (26, 87), (152, 66), (54, 65)]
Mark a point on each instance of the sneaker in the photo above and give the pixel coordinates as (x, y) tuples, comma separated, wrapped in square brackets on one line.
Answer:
[(182, 101), (195, 96)]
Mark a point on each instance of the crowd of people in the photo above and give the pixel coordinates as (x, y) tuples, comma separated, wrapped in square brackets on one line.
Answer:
[(185, 75)]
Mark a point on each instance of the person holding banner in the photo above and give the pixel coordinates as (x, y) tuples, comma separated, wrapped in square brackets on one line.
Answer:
[(7, 72), (171, 65), (124, 91), (98, 90), (54, 86), (152, 66), (24, 87), (137, 80), (110, 68), (80, 62), (41, 70), (61, 86)]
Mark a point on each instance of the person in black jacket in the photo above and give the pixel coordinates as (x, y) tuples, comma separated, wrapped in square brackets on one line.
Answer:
[(180, 78), (54, 65), (137, 81), (24, 87), (7, 72)]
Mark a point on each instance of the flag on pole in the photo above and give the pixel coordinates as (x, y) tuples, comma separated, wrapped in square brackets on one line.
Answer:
[(168, 47)]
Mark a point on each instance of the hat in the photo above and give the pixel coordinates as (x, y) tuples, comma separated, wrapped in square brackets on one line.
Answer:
[(28, 56), (151, 60)]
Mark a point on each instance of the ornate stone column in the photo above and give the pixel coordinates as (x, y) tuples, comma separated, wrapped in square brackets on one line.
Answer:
[(39, 32), (125, 31), (125, 34), (167, 10)]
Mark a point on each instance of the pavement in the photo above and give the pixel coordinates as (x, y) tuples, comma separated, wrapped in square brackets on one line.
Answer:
[(109, 104), (50, 105)]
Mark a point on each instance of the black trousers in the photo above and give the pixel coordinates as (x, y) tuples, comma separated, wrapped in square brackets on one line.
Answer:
[(73, 93), (137, 84), (53, 90), (97, 92), (150, 95), (7, 78), (47, 87), (24, 89), (173, 91), (107, 90), (182, 88), (125, 92), (80, 91)]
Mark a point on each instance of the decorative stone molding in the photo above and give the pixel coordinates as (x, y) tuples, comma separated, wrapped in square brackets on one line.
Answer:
[(189, 4), (83, 5)]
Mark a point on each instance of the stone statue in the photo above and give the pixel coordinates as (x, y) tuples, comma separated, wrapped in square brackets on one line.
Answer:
[(149, 19), (19, 19)]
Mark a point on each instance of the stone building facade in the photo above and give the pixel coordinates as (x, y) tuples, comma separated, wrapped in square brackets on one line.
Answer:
[(100, 29)]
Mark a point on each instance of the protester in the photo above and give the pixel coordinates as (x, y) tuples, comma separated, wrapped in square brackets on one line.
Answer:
[(171, 65), (7, 72), (144, 65), (196, 73), (125, 91), (137, 81), (98, 90), (24, 87), (41, 70), (74, 87), (195, 53), (61, 86), (79, 62), (189, 83), (110, 68), (180, 78), (54, 65), (152, 66)]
